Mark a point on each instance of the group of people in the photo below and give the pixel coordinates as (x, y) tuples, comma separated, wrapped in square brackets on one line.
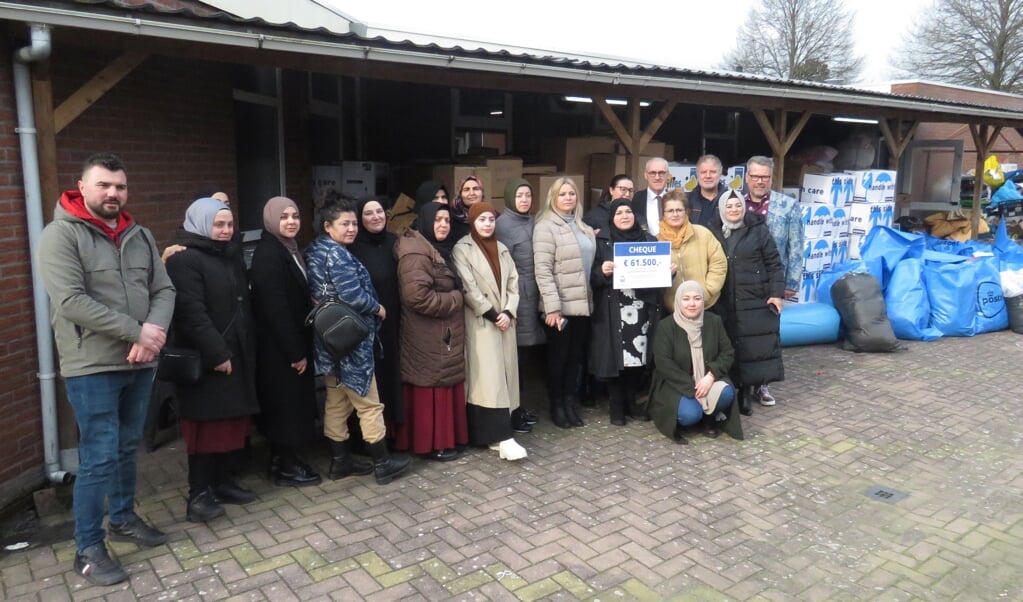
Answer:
[(455, 306)]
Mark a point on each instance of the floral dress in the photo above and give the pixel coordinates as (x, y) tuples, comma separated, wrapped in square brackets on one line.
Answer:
[(635, 316)]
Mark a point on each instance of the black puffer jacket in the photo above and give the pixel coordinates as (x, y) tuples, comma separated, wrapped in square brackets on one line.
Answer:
[(212, 314), (755, 274)]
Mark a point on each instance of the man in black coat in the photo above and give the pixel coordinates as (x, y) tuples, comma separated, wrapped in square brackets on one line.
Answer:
[(703, 200)]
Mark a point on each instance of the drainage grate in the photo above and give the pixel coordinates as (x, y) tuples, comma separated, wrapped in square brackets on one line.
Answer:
[(883, 494)]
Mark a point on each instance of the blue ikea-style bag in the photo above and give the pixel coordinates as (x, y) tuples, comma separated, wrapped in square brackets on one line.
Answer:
[(966, 297), (909, 310), (890, 246)]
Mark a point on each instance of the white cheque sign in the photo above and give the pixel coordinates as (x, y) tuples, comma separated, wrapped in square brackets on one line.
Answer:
[(642, 265)]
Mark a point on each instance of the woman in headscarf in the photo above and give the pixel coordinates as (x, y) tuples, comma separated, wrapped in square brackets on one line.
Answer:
[(430, 192), (491, 286), (470, 191), (515, 231), (692, 359), (623, 319), (750, 302), (351, 383), (212, 315), (563, 250), (696, 253), (285, 386), (433, 339), (374, 246)]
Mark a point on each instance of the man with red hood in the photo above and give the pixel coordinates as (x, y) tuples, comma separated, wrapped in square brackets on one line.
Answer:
[(111, 303)]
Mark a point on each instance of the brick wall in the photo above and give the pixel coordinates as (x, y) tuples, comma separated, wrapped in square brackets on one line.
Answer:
[(172, 123)]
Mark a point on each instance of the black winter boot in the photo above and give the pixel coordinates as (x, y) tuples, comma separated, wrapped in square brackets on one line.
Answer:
[(202, 505), (745, 401), (344, 464), (558, 416), (386, 465), (572, 412)]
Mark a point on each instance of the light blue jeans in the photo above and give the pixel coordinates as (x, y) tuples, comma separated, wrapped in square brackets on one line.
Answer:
[(690, 411), (110, 409)]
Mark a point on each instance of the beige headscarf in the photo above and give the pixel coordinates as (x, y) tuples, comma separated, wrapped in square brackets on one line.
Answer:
[(694, 330), (728, 227)]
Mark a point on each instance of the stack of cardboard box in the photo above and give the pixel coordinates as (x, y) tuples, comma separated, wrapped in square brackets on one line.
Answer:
[(824, 200), (873, 205)]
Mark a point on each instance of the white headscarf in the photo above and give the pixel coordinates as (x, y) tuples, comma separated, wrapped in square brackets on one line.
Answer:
[(201, 214)]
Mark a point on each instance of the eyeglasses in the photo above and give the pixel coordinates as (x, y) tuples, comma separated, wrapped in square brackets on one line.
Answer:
[(759, 178), (624, 189), (674, 211), (656, 174)]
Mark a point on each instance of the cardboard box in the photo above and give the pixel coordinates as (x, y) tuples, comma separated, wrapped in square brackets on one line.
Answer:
[(839, 250), (452, 175), (816, 220), (855, 242), (873, 186), (572, 155), (864, 216), (605, 166), (542, 183), (816, 254), (807, 292), (681, 176), (501, 169), (839, 221), (545, 170), (827, 189)]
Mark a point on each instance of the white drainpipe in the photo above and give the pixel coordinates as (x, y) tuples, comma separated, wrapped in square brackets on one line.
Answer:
[(38, 50)]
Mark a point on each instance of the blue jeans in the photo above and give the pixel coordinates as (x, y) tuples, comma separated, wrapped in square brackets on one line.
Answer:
[(690, 411), (110, 409)]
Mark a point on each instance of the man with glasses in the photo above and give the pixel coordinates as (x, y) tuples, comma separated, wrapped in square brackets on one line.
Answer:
[(703, 200), (785, 222), (646, 204)]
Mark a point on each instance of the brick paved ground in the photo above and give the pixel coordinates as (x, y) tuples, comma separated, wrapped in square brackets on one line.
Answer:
[(612, 513)]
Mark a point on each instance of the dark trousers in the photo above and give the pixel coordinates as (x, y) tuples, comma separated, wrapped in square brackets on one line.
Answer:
[(565, 357)]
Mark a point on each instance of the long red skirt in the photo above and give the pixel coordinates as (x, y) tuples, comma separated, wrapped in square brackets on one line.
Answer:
[(215, 436), (434, 419)]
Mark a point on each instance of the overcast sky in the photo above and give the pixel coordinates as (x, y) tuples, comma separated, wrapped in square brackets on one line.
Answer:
[(683, 33)]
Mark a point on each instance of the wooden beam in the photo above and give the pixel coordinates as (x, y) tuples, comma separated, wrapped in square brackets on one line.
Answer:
[(768, 129), (634, 131), (616, 124), (793, 134), (780, 138), (95, 88), (897, 137), (46, 136), (656, 123)]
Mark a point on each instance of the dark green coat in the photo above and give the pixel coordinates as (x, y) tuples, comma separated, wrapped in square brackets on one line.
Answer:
[(673, 371)]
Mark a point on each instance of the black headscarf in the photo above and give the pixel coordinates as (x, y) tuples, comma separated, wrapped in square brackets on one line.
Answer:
[(426, 192), (364, 235), (633, 234), (424, 225)]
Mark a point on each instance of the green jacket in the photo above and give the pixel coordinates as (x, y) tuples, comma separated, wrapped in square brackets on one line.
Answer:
[(101, 294), (673, 371)]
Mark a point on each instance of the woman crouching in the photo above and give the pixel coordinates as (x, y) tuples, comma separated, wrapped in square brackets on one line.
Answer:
[(692, 357)]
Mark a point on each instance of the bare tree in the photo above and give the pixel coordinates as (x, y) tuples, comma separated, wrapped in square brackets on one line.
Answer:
[(969, 42), (797, 39)]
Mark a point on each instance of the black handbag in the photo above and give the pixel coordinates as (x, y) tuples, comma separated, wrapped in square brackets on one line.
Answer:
[(338, 327), (182, 365), (179, 365)]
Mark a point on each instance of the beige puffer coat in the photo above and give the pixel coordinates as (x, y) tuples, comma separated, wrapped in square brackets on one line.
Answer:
[(562, 278)]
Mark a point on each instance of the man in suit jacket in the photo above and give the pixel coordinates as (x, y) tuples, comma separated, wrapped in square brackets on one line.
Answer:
[(646, 204)]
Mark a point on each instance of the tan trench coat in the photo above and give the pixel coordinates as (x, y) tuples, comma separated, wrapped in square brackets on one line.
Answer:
[(492, 372)]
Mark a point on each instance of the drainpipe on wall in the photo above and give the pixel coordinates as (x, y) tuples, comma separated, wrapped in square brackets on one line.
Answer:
[(38, 50)]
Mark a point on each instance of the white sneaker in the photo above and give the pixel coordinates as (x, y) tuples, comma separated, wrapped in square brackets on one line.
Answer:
[(509, 449), (764, 396)]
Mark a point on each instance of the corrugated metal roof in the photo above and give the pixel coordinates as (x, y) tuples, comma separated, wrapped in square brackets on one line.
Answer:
[(212, 14)]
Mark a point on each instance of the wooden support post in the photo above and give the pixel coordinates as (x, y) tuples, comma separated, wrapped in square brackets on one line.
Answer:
[(983, 139), (780, 138), (897, 137), (632, 138), (95, 88)]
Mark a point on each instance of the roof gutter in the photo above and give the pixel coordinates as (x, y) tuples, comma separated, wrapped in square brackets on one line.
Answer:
[(134, 25)]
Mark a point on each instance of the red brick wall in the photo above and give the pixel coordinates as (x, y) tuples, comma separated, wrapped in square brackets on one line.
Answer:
[(20, 429), (172, 123)]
